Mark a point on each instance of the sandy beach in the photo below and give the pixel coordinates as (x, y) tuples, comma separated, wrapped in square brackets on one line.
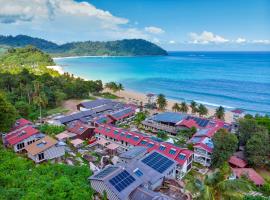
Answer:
[(137, 97)]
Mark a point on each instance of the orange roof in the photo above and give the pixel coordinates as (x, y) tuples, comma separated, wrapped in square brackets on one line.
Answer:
[(40, 145)]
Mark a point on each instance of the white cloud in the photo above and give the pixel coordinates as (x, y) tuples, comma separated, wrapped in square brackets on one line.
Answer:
[(206, 37), (172, 42), (154, 30), (240, 40), (65, 20), (261, 41)]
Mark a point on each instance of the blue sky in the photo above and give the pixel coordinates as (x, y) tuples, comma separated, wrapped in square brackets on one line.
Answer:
[(172, 24)]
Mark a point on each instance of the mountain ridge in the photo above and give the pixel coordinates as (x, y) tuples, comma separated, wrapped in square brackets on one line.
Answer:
[(125, 47)]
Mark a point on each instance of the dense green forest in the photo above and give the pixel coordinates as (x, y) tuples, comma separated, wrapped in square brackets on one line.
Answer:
[(127, 47), (21, 179), (34, 90)]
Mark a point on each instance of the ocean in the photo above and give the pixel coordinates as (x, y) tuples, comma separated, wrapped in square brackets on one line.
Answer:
[(231, 79)]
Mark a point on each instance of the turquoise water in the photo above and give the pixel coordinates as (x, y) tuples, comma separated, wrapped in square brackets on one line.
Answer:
[(230, 79)]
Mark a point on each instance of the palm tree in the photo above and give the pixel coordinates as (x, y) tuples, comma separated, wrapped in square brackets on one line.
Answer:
[(161, 102), (176, 107), (202, 110), (193, 106), (184, 107), (40, 98), (220, 112), (217, 186)]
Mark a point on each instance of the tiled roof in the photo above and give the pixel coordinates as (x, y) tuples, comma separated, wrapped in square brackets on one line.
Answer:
[(204, 146), (237, 162), (120, 114), (78, 127), (20, 123), (40, 145), (170, 150), (21, 134), (237, 111), (250, 173)]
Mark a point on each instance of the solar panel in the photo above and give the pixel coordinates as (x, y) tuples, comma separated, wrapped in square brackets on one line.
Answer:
[(158, 162), (121, 113), (105, 172), (200, 121), (122, 180)]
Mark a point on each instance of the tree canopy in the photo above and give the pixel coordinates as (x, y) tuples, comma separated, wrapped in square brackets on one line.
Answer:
[(21, 179), (161, 101), (220, 112), (225, 144)]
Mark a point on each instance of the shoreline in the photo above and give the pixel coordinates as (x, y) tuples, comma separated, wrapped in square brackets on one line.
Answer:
[(135, 96)]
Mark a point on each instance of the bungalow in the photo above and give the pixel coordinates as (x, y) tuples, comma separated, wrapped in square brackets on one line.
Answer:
[(237, 162), (44, 149), (22, 137)]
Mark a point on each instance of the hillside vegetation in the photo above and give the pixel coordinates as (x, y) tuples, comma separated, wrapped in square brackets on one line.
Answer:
[(31, 58), (127, 47)]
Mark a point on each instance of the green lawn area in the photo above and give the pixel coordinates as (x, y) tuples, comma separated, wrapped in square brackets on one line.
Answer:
[(108, 95), (57, 110)]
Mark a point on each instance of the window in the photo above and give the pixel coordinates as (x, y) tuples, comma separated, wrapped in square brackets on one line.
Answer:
[(20, 146), (116, 132), (108, 129), (162, 148), (41, 156), (143, 142), (128, 136), (182, 156), (172, 151), (136, 138), (30, 142)]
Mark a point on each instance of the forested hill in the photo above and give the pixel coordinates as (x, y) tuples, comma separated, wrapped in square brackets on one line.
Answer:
[(14, 60), (127, 47)]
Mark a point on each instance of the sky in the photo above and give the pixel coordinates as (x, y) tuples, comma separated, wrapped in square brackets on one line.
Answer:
[(195, 25)]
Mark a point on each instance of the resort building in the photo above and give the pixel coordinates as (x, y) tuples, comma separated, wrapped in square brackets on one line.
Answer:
[(124, 140), (81, 130), (237, 114), (166, 121), (124, 181), (202, 141), (21, 135), (44, 149), (99, 111)]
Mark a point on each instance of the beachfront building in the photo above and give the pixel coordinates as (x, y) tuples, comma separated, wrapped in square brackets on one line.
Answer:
[(166, 122), (122, 181), (237, 114), (21, 135), (44, 149), (125, 140)]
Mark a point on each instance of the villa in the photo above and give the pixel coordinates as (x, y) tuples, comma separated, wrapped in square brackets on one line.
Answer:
[(44, 149), (21, 135)]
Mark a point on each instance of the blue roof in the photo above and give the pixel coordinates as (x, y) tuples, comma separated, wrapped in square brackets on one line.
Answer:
[(168, 117), (121, 113), (135, 151), (158, 162), (122, 180), (95, 103)]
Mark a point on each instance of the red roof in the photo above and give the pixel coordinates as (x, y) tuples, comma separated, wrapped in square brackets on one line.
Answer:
[(250, 173), (21, 134), (237, 162), (20, 123), (188, 123), (204, 146), (170, 150), (77, 128), (238, 111)]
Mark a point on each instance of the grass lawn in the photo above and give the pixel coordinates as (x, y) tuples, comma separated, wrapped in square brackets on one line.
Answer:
[(57, 110), (108, 95)]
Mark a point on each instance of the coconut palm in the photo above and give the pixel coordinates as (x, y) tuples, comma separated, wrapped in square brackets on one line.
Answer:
[(193, 106), (220, 112), (184, 107), (218, 187), (161, 102), (202, 110), (176, 107)]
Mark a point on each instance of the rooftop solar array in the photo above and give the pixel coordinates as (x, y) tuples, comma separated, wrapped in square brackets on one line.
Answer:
[(168, 117), (105, 172), (121, 113), (200, 121), (95, 103), (158, 162), (202, 132), (135, 151), (122, 180)]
